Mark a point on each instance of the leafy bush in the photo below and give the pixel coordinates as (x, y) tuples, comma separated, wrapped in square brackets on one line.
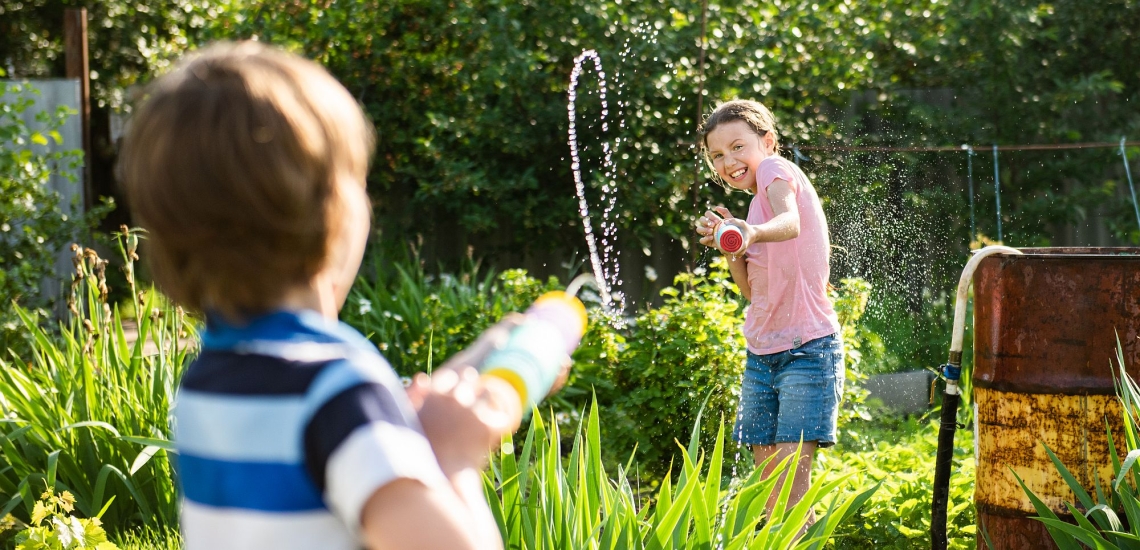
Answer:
[(652, 374), (54, 528), (418, 320), (899, 454), (541, 500), (86, 412), (34, 225), (673, 361)]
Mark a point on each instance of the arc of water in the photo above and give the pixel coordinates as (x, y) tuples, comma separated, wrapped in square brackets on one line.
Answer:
[(606, 281)]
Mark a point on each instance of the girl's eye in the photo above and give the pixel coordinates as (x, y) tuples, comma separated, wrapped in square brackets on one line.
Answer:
[(717, 156), (737, 147)]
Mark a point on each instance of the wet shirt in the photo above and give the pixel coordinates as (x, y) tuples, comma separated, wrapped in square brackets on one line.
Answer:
[(789, 304), (284, 428)]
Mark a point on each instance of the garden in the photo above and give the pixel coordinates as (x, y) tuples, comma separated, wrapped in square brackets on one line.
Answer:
[(476, 215)]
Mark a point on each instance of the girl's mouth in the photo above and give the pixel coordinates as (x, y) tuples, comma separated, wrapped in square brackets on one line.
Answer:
[(735, 175)]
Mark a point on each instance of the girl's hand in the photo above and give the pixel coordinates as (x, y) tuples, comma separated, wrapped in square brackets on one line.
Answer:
[(707, 226)]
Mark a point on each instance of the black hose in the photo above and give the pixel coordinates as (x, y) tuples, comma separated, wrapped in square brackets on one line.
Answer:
[(944, 459)]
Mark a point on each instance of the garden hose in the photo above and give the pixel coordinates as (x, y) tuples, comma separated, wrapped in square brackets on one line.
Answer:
[(952, 372)]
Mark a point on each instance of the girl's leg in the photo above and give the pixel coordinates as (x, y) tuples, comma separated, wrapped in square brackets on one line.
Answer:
[(801, 480)]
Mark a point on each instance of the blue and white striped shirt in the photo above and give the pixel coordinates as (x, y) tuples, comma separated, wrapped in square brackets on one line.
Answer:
[(285, 427)]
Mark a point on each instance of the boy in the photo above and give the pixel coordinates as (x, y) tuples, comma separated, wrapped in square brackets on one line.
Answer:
[(247, 167)]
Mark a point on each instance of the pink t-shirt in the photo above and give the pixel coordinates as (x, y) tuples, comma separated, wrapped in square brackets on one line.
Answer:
[(789, 279)]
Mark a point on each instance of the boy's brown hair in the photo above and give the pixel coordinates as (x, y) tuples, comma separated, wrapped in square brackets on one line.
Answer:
[(236, 165)]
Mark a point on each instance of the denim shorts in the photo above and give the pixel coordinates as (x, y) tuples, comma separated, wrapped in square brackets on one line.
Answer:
[(792, 394)]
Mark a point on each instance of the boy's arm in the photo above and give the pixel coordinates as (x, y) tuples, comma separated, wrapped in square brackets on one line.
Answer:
[(447, 511), (406, 514), (462, 417)]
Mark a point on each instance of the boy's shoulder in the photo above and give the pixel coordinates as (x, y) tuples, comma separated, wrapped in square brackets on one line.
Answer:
[(286, 353)]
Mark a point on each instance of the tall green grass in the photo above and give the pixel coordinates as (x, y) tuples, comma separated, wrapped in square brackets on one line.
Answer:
[(1097, 516), (542, 500), (87, 412), (418, 319)]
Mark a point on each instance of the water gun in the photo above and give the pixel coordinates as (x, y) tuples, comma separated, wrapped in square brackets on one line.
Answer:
[(536, 350), (729, 238)]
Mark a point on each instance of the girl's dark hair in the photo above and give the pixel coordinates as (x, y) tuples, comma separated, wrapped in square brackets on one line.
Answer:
[(757, 116)]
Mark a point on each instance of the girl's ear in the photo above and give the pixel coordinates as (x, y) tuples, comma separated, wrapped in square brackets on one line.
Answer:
[(769, 141)]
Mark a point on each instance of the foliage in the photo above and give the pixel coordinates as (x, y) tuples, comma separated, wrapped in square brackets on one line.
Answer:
[(652, 373), (655, 376), (127, 41), (898, 453), (677, 359), (87, 412), (54, 528), (541, 500), (861, 346), (418, 320), (150, 539), (34, 222), (1097, 520)]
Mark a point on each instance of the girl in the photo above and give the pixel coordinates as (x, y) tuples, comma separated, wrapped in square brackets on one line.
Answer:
[(793, 377)]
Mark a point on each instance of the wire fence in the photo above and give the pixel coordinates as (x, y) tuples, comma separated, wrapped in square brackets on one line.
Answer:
[(970, 150)]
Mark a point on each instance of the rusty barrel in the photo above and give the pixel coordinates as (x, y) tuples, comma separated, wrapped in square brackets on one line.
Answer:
[(1045, 333)]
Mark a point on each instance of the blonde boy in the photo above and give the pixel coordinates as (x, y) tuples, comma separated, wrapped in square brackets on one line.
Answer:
[(247, 167)]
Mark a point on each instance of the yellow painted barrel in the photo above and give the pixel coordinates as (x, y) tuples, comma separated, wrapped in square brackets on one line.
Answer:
[(1045, 329)]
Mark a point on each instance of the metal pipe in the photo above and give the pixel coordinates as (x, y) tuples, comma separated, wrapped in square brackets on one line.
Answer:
[(952, 371)]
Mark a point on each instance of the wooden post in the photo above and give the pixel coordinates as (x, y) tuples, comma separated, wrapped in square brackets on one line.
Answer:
[(75, 48)]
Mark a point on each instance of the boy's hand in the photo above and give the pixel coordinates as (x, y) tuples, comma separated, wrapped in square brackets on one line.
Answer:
[(462, 414)]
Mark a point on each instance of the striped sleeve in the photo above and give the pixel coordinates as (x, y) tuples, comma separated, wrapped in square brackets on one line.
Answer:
[(363, 437)]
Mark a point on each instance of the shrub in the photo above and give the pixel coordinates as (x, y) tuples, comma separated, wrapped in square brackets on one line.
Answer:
[(677, 359), (33, 222), (86, 412), (418, 320), (688, 354), (899, 454), (651, 374)]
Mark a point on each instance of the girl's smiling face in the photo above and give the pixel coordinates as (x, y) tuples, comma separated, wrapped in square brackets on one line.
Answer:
[(735, 150)]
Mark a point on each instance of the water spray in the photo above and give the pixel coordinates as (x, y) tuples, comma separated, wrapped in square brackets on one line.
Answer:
[(612, 300), (537, 350), (952, 372)]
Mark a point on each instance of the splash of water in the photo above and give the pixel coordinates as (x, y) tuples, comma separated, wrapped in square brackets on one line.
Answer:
[(605, 266)]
